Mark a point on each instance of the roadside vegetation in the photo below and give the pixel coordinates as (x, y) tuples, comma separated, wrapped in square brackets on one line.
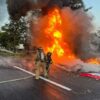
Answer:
[(11, 36)]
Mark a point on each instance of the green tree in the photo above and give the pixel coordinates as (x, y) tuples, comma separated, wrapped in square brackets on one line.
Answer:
[(4, 39), (13, 34)]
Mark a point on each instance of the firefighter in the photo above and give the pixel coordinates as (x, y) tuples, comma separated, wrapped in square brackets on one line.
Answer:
[(40, 63), (48, 61)]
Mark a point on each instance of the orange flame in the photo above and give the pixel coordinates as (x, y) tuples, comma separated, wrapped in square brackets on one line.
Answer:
[(93, 61), (55, 32)]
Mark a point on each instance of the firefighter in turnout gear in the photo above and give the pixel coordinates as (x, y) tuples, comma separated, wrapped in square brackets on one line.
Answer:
[(40, 63), (48, 61)]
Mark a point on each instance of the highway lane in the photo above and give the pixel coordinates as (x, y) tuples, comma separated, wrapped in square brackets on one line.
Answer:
[(19, 85), (26, 89), (82, 88)]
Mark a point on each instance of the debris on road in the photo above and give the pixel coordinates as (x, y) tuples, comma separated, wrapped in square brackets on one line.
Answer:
[(91, 75)]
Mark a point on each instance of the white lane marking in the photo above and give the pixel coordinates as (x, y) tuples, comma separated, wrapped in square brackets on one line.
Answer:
[(47, 80), (14, 80)]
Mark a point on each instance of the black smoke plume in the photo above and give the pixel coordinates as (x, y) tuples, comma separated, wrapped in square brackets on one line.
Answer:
[(18, 8)]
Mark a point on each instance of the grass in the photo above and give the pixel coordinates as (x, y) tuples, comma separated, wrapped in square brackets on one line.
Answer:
[(7, 54)]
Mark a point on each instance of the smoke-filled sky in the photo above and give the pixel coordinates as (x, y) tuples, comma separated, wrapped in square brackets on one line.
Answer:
[(94, 3)]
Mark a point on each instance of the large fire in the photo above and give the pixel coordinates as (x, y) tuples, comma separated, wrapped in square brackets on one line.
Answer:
[(54, 30), (60, 34)]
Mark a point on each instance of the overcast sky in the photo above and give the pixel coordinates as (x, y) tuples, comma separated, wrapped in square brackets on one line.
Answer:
[(3, 12), (95, 11)]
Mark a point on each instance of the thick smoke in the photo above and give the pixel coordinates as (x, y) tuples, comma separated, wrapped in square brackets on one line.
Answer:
[(28, 64), (76, 29), (9, 62), (18, 8), (79, 66)]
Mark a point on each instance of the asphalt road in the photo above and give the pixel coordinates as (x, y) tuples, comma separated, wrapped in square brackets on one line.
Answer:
[(19, 85)]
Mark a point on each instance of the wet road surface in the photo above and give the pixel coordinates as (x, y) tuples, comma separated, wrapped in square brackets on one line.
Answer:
[(18, 85)]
